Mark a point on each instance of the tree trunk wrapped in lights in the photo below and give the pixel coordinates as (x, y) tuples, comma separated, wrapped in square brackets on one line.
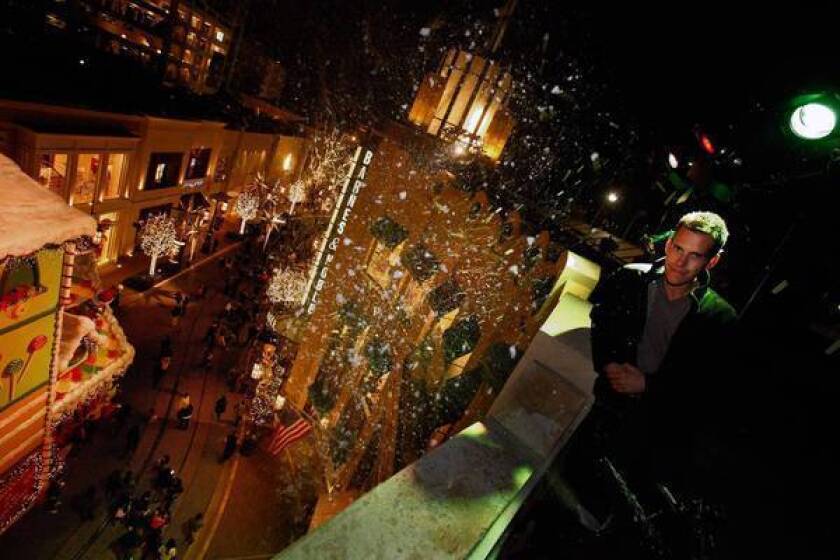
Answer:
[(297, 194), (247, 206), (157, 238)]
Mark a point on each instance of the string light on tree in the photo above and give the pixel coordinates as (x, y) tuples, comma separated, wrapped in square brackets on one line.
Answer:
[(329, 159), (247, 206), (158, 237), (287, 286), (297, 194), (271, 212)]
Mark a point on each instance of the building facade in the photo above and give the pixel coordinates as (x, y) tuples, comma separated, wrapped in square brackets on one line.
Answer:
[(420, 301), (122, 168), (191, 44)]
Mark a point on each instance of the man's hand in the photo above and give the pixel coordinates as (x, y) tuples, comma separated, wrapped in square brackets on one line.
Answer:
[(625, 378)]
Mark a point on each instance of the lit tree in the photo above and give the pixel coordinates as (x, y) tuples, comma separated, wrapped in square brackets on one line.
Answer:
[(329, 159), (157, 238), (287, 286), (297, 194), (271, 210), (247, 206)]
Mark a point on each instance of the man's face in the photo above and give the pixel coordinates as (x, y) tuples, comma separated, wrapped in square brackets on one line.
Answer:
[(687, 254)]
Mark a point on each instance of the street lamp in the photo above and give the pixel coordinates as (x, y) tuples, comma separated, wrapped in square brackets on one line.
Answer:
[(612, 197), (813, 121)]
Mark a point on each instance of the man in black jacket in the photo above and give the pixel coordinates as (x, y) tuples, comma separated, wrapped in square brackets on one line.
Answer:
[(658, 338)]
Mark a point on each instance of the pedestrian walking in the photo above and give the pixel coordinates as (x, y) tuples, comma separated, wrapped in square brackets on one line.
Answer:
[(113, 484), (221, 407), (115, 303), (239, 410), (210, 335), (121, 417), (184, 415), (168, 551), (88, 503), (160, 370), (171, 492), (120, 512), (140, 506), (158, 520), (207, 360), (162, 462), (166, 346), (175, 315), (230, 447), (132, 440), (128, 482), (54, 496), (192, 526), (129, 542)]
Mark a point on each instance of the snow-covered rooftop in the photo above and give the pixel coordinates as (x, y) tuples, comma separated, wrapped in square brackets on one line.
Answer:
[(31, 216)]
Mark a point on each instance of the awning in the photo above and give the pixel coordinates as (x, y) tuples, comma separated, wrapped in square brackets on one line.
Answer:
[(421, 263), (446, 297), (388, 232)]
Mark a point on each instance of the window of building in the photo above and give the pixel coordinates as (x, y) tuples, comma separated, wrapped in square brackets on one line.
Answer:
[(107, 247), (387, 247), (188, 56), (195, 22), (198, 162), (52, 171), (459, 341), (191, 38), (112, 179), (87, 171), (382, 260), (220, 36), (56, 21), (163, 171), (221, 168)]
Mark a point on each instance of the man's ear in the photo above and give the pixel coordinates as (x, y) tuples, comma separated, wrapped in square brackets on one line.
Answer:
[(713, 261)]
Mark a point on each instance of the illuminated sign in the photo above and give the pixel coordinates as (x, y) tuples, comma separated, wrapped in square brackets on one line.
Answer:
[(353, 185)]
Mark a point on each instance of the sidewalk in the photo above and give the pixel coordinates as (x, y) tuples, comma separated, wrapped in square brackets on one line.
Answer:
[(145, 319), (138, 263)]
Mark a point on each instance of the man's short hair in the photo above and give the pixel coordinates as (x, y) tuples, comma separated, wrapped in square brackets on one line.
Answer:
[(709, 223)]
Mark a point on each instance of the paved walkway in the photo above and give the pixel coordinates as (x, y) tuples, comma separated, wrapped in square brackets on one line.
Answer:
[(253, 506)]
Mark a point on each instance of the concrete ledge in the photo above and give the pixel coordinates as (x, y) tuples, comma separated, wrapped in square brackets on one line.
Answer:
[(457, 501)]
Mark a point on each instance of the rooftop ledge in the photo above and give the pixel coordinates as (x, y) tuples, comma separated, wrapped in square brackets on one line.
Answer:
[(457, 501)]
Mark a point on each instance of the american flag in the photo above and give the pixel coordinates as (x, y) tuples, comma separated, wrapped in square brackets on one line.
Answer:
[(287, 435)]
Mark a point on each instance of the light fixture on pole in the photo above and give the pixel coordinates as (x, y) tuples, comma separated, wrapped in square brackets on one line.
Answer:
[(813, 121)]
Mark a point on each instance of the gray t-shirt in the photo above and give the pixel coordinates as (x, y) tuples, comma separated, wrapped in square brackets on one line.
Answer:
[(663, 318)]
